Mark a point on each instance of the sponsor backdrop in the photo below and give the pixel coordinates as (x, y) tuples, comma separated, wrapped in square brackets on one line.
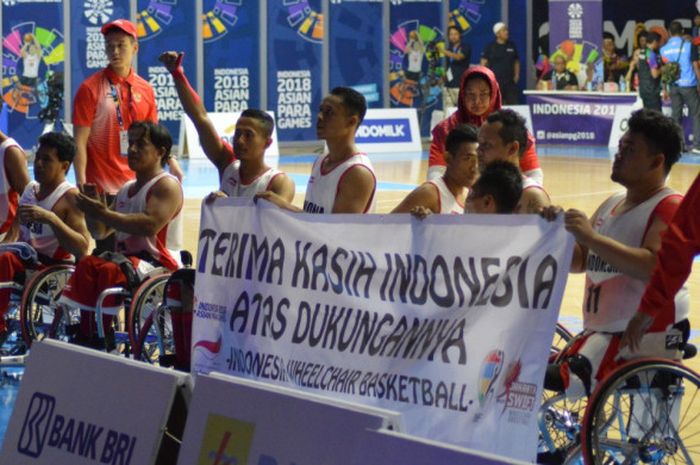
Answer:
[(583, 119), (87, 48), (453, 337), (576, 32), (415, 65), (295, 35), (230, 31), (165, 25), (356, 32), (33, 52)]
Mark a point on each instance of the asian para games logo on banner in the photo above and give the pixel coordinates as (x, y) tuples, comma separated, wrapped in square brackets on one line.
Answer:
[(490, 370), (467, 13), (33, 58), (98, 11), (226, 440), (221, 17), (150, 22), (307, 22)]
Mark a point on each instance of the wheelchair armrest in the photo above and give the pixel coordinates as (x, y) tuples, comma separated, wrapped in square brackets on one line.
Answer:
[(186, 258), (689, 351)]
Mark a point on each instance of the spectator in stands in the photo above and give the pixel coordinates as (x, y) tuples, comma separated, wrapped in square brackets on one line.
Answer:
[(501, 57), (446, 194), (504, 137), (13, 179), (498, 189), (247, 175), (101, 124), (145, 217), (479, 96), (684, 90), (559, 78), (458, 54), (617, 249), (648, 65), (343, 180), (614, 65), (51, 226)]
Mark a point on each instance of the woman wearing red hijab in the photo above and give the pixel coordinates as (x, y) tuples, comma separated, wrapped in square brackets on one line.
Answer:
[(479, 96)]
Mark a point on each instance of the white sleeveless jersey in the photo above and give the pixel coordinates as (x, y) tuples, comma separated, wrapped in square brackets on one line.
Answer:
[(8, 197), (232, 185), (529, 183), (611, 297), (31, 63), (446, 200), (41, 236), (165, 245), (323, 187)]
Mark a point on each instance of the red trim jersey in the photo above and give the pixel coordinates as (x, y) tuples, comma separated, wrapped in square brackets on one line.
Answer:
[(322, 188), (233, 186), (41, 236), (162, 247), (612, 297), (447, 202), (8, 197), (95, 106)]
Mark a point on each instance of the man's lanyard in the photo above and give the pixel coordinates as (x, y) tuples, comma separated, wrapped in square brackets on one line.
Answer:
[(117, 103)]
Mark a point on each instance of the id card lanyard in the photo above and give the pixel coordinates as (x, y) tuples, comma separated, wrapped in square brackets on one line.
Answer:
[(123, 133)]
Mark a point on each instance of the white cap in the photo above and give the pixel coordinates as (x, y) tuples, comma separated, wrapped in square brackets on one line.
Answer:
[(498, 26)]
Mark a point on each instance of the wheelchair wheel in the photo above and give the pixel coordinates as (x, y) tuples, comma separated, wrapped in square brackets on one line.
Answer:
[(40, 316), (155, 339), (562, 338), (644, 412), (148, 297), (559, 423)]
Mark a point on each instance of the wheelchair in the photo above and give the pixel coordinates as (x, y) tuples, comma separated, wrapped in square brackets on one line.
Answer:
[(31, 305), (639, 413), (164, 337)]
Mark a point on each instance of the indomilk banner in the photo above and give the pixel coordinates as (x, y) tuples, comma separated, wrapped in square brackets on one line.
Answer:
[(448, 320)]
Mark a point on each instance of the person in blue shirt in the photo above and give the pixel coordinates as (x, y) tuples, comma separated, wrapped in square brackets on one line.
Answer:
[(684, 91)]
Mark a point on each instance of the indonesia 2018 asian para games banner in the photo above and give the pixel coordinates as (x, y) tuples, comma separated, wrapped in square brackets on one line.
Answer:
[(166, 25), (448, 320), (33, 51)]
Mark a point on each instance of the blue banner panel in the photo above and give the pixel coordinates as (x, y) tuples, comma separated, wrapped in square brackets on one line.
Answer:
[(166, 25), (415, 61), (33, 53), (295, 35), (231, 34), (87, 48), (475, 20), (357, 32)]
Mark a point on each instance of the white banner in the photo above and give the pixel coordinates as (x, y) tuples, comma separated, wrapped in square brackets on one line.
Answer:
[(447, 320)]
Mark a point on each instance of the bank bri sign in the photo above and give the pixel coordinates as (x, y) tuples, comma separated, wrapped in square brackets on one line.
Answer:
[(394, 130)]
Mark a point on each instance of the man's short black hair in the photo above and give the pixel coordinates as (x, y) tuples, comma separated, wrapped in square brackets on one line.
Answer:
[(159, 136), (503, 181), (465, 133), (661, 132), (642, 35), (676, 28), (653, 37), (262, 117), (353, 101), (455, 28), (62, 142), (513, 127), (607, 35)]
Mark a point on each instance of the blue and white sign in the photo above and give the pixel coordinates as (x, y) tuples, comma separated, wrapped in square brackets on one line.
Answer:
[(389, 130), (73, 408)]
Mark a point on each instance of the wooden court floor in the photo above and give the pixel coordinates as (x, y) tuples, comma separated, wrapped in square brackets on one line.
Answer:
[(582, 183)]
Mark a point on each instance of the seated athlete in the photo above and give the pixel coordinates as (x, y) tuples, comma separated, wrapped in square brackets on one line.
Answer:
[(242, 168), (498, 189), (504, 137), (49, 219), (446, 193), (13, 179), (343, 180), (145, 218), (617, 248)]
